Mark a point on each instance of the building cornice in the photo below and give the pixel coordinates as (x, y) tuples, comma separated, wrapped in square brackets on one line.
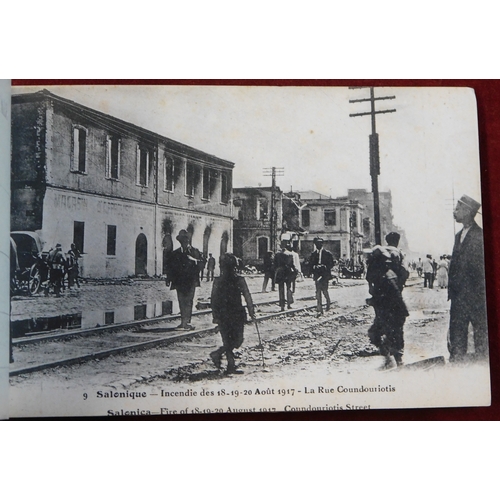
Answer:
[(140, 202), (134, 130)]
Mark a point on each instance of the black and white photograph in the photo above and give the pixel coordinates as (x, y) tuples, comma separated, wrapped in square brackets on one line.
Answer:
[(203, 249)]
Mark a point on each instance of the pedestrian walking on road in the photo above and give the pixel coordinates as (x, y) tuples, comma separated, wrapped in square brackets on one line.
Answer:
[(442, 273), (298, 270), (466, 285), (73, 268), (203, 263), (419, 265), (268, 272), (386, 276), (183, 275), (284, 275), (322, 263), (57, 264), (228, 311), (210, 267), (428, 270)]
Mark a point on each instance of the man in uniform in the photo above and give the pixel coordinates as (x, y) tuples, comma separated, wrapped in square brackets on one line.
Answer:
[(56, 263), (321, 263), (466, 286), (73, 268), (183, 275)]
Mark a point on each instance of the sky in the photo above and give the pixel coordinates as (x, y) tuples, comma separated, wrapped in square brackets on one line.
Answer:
[(429, 151)]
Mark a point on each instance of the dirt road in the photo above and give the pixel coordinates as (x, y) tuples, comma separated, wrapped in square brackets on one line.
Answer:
[(337, 340)]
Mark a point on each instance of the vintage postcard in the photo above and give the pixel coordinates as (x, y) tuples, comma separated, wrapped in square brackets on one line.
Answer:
[(225, 249)]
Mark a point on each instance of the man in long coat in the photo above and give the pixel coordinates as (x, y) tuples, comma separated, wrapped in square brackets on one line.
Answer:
[(466, 285), (183, 275)]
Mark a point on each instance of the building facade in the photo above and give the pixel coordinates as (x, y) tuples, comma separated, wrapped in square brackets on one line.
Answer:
[(252, 222), (119, 192), (338, 221)]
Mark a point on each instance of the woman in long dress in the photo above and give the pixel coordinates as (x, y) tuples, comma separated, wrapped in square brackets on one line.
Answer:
[(442, 273)]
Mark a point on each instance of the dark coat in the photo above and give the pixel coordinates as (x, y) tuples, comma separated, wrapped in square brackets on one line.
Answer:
[(226, 301), (211, 263), (182, 272), (466, 274), (284, 269), (324, 270)]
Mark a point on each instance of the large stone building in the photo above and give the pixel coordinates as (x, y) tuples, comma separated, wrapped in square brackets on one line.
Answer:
[(119, 192)]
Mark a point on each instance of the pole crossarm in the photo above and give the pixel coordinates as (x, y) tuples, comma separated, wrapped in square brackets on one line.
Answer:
[(374, 99), (374, 151), (373, 112)]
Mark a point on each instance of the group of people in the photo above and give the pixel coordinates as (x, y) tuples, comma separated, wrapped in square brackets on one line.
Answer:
[(283, 269), (433, 270), (386, 274), (57, 266), (210, 266), (184, 268), (462, 274)]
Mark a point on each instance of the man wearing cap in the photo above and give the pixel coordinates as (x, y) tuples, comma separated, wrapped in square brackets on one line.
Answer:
[(56, 263), (321, 262), (183, 275), (466, 285)]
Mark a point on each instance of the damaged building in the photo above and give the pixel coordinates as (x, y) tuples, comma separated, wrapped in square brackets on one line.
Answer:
[(255, 231), (119, 192)]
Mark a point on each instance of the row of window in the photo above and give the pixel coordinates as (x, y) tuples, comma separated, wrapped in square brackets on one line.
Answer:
[(79, 237), (330, 218), (170, 165)]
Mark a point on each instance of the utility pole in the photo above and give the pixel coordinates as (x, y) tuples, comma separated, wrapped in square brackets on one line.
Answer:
[(374, 153), (273, 172)]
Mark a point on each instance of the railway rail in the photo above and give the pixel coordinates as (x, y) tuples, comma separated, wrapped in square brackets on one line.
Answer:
[(59, 349), (79, 346)]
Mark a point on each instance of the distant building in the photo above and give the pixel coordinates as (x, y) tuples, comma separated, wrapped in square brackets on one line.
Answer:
[(252, 222), (387, 225), (337, 220), (119, 192)]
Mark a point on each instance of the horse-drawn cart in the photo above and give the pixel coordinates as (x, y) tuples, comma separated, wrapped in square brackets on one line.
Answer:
[(356, 273), (27, 264)]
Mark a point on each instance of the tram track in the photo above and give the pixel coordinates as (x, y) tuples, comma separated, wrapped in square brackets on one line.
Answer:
[(62, 335), (60, 349), (173, 337), (113, 336)]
